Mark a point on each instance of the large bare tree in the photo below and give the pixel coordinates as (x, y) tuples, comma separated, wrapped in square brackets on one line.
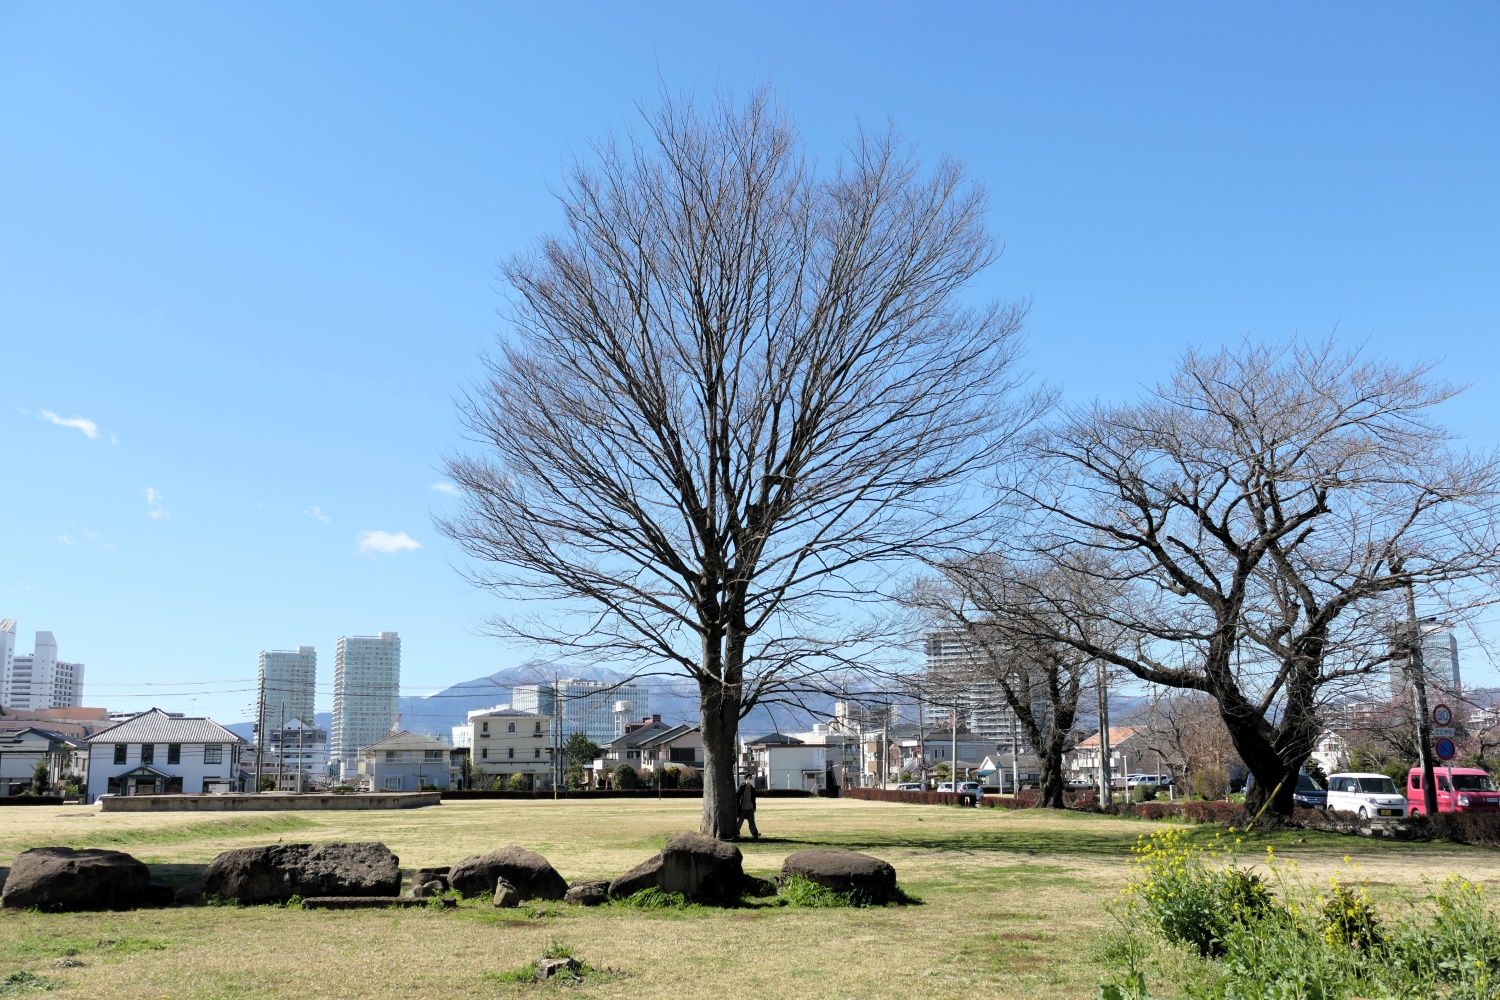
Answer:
[(734, 388), (1263, 507)]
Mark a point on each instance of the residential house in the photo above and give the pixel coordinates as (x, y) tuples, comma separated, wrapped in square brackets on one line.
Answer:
[(22, 750), (676, 747), (508, 741), (777, 760), (1129, 753), (405, 762), (154, 753), (627, 747)]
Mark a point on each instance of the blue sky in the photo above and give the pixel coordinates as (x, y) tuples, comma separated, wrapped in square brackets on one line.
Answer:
[(254, 246)]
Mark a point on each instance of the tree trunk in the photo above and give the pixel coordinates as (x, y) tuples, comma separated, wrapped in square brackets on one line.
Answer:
[(1052, 776), (720, 724)]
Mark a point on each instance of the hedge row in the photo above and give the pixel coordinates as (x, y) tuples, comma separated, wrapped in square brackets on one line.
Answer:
[(31, 800), (614, 793)]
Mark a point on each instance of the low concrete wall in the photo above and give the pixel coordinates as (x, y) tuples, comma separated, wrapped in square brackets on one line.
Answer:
[(266, 802)]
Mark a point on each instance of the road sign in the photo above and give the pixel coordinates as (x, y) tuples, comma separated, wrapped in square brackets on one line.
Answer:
[(1443, 732), (1445, 749), (1442, 714)]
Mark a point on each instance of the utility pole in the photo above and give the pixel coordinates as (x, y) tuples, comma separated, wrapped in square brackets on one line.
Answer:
[(1416, 675), (1015, 755), (280, 746), (1105, 782), (260, 736)]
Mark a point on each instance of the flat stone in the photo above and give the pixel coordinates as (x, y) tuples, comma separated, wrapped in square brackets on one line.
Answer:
[(506, 895), (371, 902), (588, 893), (546, 968)]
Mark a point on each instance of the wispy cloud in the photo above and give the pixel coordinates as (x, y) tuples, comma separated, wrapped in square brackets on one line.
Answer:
[(387, 542), (82, 536), (447, 488), (316, 513), (83, 425), (153, 500)]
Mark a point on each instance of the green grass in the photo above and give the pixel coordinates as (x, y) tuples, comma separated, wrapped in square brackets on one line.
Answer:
[(1012, 905), (652, 899), (798, 891)]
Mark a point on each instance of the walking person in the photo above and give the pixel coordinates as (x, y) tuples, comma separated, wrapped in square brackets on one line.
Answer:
[(747, 809)]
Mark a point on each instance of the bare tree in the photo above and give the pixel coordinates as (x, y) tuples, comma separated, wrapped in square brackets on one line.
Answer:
[(1013, 620), (1275, 494), (1185, 729), (735, 388)]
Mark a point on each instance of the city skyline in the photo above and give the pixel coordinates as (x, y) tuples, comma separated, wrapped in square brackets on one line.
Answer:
[(235, 365)]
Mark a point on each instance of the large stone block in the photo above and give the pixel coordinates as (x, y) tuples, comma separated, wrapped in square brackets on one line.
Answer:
[(277, 873), (61, 879), (531, 874), (702, 868)]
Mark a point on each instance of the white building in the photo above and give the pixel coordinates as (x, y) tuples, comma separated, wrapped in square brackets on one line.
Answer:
[(154, 753), (507, 741), (40, 680), (366, 695), (583, 706), (463, 736), (957, 691), (405, 762), (285, 683), (23, 749), (297, 755)]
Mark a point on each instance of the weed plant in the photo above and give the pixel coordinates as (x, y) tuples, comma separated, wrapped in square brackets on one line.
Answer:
[(1275, 936)]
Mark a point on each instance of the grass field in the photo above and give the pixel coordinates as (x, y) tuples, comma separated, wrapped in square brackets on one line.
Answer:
[(1012, 906)]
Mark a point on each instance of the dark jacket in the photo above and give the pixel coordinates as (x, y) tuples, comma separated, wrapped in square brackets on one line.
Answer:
[(747, 798)]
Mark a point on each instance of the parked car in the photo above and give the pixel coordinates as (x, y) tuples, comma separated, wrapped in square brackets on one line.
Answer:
[(1460, 789), (1150, 780), (1368, 796), (1308, 794), (909, 786)]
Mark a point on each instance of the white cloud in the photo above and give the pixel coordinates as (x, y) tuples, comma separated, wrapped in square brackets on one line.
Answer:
[(114, 439), (84, 425), (387, 542), (447, 488), (316, 513), (153, 500), (66, 539)]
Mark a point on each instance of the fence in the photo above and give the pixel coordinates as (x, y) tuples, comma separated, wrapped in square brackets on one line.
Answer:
[(462, 794)]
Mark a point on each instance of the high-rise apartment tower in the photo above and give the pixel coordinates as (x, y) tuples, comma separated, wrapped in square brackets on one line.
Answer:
[(366, 695)]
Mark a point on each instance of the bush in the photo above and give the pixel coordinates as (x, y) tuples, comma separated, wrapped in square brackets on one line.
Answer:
[(1210, 783), (1478, 829), (1143, 793), (625, 777), (517, 783)]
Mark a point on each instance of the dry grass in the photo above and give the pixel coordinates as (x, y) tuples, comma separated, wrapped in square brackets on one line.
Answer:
[(1011, 906)]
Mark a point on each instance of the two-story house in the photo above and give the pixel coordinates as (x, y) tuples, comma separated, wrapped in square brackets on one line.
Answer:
[(155, 753), (405, 762), (22, 750), (508, 741)]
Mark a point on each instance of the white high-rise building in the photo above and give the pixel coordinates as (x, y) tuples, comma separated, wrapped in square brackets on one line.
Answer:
[(957, 683), (40, 680), (583, 706), (286, 682), (366, 695)]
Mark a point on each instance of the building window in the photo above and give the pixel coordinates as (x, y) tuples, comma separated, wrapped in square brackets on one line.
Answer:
[(539, 727), (120, 749), (537, 753), (432, 755), (510, 753), (213, 755), (484, 727), (484, 754), (393, 784), (510, 727), (390, 755), (148, 753), (174, 753)]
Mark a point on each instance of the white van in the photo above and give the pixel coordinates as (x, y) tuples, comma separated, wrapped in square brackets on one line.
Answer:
[(1369, 796)]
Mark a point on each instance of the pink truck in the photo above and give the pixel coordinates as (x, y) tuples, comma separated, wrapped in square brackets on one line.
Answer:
[(1459, 789)]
